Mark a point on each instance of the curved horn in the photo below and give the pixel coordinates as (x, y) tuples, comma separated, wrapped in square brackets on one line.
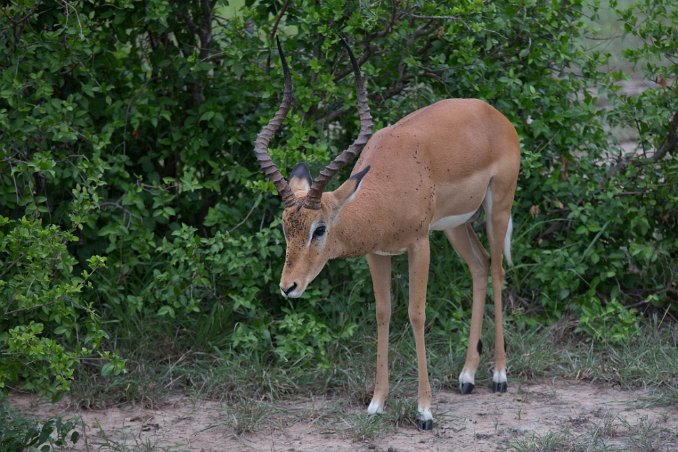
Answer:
[(264, 137), (312, 200)]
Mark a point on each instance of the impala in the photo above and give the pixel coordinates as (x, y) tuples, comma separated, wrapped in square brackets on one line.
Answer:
[(431, 171)]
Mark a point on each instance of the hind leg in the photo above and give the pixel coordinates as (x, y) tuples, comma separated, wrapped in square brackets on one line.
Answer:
[(466, 243), (498, 207)]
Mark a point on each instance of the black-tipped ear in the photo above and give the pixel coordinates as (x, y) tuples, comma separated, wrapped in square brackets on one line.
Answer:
[(359, 176), (300, 178), (345, 192)]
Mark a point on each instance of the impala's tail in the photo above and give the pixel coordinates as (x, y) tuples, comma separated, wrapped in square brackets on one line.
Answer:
[(487, 205), (507, 242)]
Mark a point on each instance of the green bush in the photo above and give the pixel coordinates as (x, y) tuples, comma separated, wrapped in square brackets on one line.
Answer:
[(46, 326), (129, 126), (20, 432)]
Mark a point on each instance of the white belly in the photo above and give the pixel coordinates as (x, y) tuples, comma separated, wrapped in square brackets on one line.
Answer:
[(450, 222), (387, 253)]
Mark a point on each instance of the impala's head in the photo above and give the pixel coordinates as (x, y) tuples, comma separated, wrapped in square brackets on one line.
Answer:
[(309, 213), (309, 233)]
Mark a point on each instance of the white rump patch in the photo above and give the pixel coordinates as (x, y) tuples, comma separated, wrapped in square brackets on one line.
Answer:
[(466, 376), (375, 407), (450, 222), (499, 376)]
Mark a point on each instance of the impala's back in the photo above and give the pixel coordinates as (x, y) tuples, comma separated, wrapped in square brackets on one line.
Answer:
[(432, 169)]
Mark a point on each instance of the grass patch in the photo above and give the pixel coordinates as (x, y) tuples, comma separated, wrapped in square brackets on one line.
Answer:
[(247, 416), (125, 442), (260, 394), (610, 433), (664, 396), (400, 413), (648, 360)]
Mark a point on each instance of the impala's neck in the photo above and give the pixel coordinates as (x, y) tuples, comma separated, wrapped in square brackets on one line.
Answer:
[(343, 245), (354, 232)]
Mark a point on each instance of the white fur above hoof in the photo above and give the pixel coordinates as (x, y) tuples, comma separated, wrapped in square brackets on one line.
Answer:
[(375, 408), (466, 376), (499, 381), (425, 419), (466, 382), (424, 414)]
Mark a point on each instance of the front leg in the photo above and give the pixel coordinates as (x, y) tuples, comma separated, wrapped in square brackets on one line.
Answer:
[(380, 269), (418, 259)]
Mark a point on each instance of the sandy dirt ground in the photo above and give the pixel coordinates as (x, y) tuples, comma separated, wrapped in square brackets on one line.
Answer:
[(479, 422)]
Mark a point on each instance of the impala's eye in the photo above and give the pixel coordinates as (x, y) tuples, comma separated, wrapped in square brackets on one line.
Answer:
[(319, 232)]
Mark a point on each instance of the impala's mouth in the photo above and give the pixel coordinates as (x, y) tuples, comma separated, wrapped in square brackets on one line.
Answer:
[(293, 291), (293, 294), (296, 289)]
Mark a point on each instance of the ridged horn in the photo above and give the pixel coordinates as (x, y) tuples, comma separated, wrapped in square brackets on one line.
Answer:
[(266, 134), (312, 200)]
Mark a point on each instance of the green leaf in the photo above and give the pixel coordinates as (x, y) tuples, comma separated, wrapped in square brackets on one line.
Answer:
[(166, 311)]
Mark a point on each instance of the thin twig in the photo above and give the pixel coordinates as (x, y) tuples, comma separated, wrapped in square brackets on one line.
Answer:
[(671, 140), (389, 25), (418, 16), (254, 206), (277, 20), (77, 16)]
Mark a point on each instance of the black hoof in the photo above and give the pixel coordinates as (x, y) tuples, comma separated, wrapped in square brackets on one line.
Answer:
[(425, 425), (499, 387), (466, 388)]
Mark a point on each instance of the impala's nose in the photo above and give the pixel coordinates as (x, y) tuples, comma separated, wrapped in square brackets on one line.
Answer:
[(287, 291)]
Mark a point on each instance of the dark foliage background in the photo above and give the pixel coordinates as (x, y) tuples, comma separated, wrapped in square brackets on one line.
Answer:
[(131, 205)]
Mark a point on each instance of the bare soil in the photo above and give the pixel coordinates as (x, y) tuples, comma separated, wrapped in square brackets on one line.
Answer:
[(481, 421)]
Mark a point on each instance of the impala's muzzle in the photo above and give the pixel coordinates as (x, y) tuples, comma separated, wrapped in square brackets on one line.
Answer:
[(290, 291), (293, 283)]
